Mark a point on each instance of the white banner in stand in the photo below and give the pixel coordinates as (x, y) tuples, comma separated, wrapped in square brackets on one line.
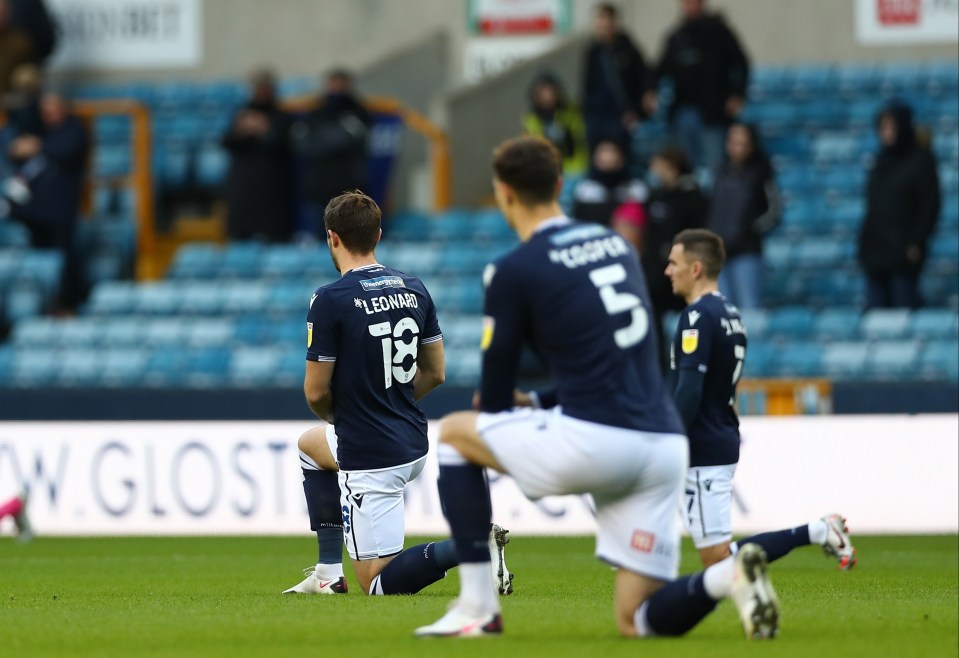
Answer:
[(907, 21), (127, 34)]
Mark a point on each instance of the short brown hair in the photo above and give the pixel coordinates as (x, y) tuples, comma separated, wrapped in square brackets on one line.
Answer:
[(608, 9), (531, 166), (356, 218), (704, 246)]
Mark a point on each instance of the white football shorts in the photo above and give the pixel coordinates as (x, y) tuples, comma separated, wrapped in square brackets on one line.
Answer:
[(635, 479), (372, 504), (709, 504)]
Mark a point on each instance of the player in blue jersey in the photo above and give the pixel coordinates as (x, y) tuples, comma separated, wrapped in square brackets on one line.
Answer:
[(575, 293), (374, 347), (706, 359)]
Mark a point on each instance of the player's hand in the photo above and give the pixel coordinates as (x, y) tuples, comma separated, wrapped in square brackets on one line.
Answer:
[(914, 254), (522, 399), (630, 120), (734, 105)]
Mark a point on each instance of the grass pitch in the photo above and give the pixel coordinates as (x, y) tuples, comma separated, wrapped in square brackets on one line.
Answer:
[(221, 597)]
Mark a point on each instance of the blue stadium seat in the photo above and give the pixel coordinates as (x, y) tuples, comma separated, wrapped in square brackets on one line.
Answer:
[(845, 213), (288, 261), (251, 330), (42, 267), (200, 297), (111, 161), (778, 252), (209, 332), (767, 82), (291, 369), (208, 367), (415, 259), (78, 367), (6, 365), (822, 253), (199, 260), (945, 246), (254, 366), (760, 357), (156, 332), (813, 81), (36, 332), (941, 78), (756, 321), (463, 366), (893, 360), (80, 332), (33, 367), (857, 80), (23, 299), (935, 323), (245, 297), (792, 322), (799, 359), (13, 235), (171, 165), (940, 360), (125, 331), (211, 166), (240, 260), (123, 367), (837, 324), (845, 360), (289, 331), (158, 298), (462, 331), (167, 367), (885, 323)]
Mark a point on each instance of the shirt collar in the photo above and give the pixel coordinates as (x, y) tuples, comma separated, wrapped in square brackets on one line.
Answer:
[(558, 220)]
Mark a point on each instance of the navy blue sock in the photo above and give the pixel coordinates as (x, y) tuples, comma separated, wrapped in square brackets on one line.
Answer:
[(464, 494), (678, 606), (417, 567), (779, 543), (322, 492)]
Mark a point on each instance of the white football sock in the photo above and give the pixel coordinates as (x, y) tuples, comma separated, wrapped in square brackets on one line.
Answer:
[(818, 532), (718, 579), (477, 594), (329, 571)]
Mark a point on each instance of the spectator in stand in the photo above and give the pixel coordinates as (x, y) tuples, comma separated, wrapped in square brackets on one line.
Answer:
[(16, 47), (32, 17), (615, 82), (745, 206), (675, 204), (902, 208), (258, 191), (608, 187), (50, 179), (552, 116), (710, 74), (332, 140)]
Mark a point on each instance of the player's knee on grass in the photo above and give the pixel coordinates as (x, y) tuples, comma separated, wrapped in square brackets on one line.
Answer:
[(367, 570)]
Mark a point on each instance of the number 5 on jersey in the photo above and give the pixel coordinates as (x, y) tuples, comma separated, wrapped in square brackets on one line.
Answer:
[(615, 303), (393, 361)]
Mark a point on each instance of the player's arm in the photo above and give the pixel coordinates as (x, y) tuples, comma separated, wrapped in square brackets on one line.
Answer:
[(503, 335), (430, 368), (316, 388), (692, 363)]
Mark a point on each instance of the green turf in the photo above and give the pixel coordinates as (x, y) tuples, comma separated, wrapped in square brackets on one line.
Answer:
[(221, 597)]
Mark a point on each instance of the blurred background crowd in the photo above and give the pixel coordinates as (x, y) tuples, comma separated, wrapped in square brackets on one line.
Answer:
[(833, 186)]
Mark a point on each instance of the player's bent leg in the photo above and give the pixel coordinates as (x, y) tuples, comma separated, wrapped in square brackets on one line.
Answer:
[(367, 571), (631, 591), (315, 444), (710, 555), (459, 431)]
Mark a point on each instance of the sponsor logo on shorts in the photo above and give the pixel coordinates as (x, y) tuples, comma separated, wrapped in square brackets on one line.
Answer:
[(643, 541), (690, 340)]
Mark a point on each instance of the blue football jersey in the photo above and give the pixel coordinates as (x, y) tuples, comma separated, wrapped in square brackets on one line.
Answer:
[(575, 293), (711, 338), (371, 322)]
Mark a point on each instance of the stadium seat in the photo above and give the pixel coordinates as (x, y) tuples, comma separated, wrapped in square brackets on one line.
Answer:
[(208, 367), (288, 261), (893, 360), (760, 357), (167, 367), (935, 323), (834, 324), (23, 299), (212, 163), (244, 296), (940, 359), (254, 366), (123, 367), (126, 331), (791, 322), (13, 235), (880, 324), (158, 298), (199, 260), (79, 332), (288, 332), (798, 359), (845, 360), (756, 322), (36, 332), (200, 297), (462, 331), (112, 298), (78, 367), (209, 332), (33, 367)]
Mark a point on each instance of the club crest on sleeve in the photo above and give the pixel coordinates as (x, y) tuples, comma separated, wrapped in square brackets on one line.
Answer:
[(488, 325), (690, 340), (309, 334)]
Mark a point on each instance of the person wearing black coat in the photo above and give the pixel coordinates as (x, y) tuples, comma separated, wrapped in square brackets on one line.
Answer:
[(745, 206), (258, 191), (710, 74), (33, 17), (902, 208), (615, 82), (53, 165), (332, 141)]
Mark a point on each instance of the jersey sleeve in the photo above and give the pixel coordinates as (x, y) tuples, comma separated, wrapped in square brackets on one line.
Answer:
[(431, 328), (504, 329), (696, 333), (320, 328)]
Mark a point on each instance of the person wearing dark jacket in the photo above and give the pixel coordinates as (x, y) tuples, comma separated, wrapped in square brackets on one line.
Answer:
[(32, 17), (258, 191), (902, 207), (332, 140), (745, 206), (607, 187), (675, 204), (710, 74), (51, 208), (615, 82)]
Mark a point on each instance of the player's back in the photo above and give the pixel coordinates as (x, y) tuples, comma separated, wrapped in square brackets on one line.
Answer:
[(588, 319), (371, 322), (711, 338)]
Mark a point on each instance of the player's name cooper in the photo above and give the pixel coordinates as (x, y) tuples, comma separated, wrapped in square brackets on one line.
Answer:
[(590, 252)]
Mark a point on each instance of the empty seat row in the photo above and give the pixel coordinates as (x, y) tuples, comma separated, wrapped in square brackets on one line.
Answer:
[(801, 323)]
